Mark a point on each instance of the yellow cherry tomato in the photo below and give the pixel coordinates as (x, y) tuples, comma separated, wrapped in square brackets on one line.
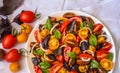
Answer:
[(101, 39), (106, 64), (83, 68), (22, 37), (26, 28), (61, 18), (44, 33), (53, 44), (70, 37), (14, 67), (63, 70), (83, 33), (92, 48)]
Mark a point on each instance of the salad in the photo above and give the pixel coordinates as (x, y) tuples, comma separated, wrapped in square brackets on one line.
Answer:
[(71, 44)]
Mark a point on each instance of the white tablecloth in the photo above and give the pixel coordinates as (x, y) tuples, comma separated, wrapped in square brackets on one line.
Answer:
[(105, 10)]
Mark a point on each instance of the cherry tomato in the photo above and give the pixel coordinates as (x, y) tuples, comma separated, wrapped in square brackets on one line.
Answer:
[(107, 46), (64, 25), (66, 50), (14, 67), (56, 67), (85, 56), (60, 58), (26, 28), (37, 69), (73, 71), (37, 36), (12, 56), (21, 38), (77, 18), (27, 16), (9, 41), (97, 27), (102, 54)]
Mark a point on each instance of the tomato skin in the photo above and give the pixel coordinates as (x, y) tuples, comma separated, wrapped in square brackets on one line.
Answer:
[(60, 58), (27, 16), (73, 71), (97, 27), (37, 69), (66, 50), (101, 54), (56, 67), (86, 56), (107, 46), (12, 56), (77, 18), (37, 36), (9, 41)]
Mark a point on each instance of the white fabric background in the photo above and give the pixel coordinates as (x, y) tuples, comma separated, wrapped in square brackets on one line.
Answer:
[(105, 10)]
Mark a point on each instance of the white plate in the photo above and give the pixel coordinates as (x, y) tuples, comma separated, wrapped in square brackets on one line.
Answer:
[(57, 14)]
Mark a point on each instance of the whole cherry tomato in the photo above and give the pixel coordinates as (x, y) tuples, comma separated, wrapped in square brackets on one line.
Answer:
[(9, 41), (27, 16), (12, 56)]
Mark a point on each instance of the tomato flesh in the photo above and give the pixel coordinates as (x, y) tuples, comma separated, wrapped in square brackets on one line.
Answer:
[(66, 50)]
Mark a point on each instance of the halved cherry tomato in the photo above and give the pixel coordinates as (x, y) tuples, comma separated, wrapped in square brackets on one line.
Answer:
[(107, 46), (78, 39), (60, 58), (37, 36), (73, 71), (66, 50), (64, 25), (77, 18), (63, 36), (83, 55), (27, 16), (37, 69), (97, 27), (102, 54), (56, 67)]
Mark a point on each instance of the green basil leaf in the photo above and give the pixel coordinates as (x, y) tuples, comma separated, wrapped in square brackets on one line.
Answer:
[(94, 64), (110, 56), (38, 52), (57, 34), (44, 65), (83, 24), (71, 54), (45, 71), (91, 24), (93, 40), (48, 24)]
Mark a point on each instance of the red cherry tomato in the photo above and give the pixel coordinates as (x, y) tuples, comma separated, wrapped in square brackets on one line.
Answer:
[(12, 56), (37, 69), (102, 54), (97, 27), (107, 46), (9, 41), (77, 18), (27, 16), (37, 36), (56, 67), (66, 50), (60, 58), (73, 71), (86, 56)]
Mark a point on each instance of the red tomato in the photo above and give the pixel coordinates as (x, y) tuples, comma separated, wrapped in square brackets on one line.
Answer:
[(97, 27), (9, 41), (107, 46), (60, 58), (83, 55), (66, 50), (56, 67), (64, 25), (37, 69), (102, 54), (73, 71), (27, 16), (78, 39), (37, 36), (77, 18), (12, 56)]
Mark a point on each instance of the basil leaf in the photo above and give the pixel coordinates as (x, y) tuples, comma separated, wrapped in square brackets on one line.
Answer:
[(48, 24), (93, 40), (110, 56), (83, 24), (71, 54), (44, 65), (45, 71), (94, 64), (57, 34), (38, 52), (91, 24)]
